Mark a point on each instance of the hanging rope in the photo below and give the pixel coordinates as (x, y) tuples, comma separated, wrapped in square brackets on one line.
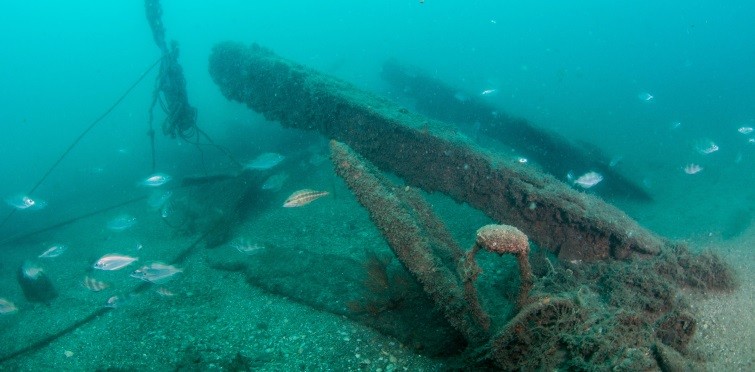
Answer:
[(81, 136), (170, 91)]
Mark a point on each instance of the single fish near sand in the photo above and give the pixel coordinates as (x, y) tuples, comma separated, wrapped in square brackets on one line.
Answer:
[(111, 262), (164, 292), (246, 247), (303, 197), (93, 284), (7, 307), (54, 251), (31, 270), (115, 302), (588, 180), (156, 272)]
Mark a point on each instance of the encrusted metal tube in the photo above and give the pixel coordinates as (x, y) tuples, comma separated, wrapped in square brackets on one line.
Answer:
[(429, 154)]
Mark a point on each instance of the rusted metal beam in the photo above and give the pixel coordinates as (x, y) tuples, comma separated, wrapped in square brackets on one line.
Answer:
[(555, 154), (396, 213), (429, 154)]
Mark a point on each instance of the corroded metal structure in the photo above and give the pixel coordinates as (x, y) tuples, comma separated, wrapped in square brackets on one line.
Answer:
[(418, 239), (429, 154), (555, 154)]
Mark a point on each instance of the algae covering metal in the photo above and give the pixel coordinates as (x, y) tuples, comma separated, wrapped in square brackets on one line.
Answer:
[(555, 154), (429, 154)]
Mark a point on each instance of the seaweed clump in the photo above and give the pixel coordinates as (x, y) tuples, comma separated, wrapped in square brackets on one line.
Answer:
[(627, 315)]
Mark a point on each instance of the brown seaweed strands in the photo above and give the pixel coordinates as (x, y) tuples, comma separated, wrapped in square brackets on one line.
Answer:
[(410, 241)]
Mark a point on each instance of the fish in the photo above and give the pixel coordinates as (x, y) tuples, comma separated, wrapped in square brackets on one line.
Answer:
[(488, 91), (692, 169), (20, 201), (7, 307), (111, 262), (244, 246), (645, 96), (706, 147), (588, 180), (121, 222), (164, 292), (93, 284), (156, 180), (31, 270), (156, 272), (303, 197), (745, 130), (115, 301), (167, 210), (264, 161), (54, 251), (275, 182)]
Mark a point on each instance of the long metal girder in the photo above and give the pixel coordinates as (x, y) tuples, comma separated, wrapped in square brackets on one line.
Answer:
[(429, 154)]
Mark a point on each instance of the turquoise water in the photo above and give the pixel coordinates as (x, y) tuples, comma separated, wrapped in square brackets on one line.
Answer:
[(585, 71)]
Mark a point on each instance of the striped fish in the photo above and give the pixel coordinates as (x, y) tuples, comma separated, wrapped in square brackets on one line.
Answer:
[(93, 284), (303, 197)]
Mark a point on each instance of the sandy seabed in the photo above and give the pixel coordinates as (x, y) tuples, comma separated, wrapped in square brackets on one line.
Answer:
[(216, 320), (726, 331)]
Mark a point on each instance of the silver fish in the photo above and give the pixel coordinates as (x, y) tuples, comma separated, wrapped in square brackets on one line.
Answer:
[(156, 272), (25, 202), (116, 301), (164, 292), (265, 161), (31, 270), (246, 247), (113, 262), (93, 284), (121, 222), (706, 146), (155, 180), (54, 251), (275, 182), (589, 179), (645, 96), (7, 307)]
